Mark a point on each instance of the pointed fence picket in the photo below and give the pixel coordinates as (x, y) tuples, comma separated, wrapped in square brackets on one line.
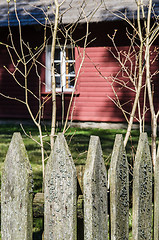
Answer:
[(119, 192), (95, 193), (16, 193), (60, 194), (142, 191)]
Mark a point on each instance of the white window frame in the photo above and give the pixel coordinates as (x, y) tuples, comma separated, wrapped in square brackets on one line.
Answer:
[(63, 74)]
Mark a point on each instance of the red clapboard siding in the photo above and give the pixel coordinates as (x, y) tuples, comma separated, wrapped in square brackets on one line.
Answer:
[(95, 91), (93, 103), (94, 95), (8, 86)]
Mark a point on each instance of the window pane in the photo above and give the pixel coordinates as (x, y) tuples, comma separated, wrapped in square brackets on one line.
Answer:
[(57, 68), (71, 81), (58, 82), (70, 55), (57, 54), (64, 63), (70, 67)]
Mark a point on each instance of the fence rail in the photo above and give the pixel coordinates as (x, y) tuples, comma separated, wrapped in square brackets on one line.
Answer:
[(60, 194)]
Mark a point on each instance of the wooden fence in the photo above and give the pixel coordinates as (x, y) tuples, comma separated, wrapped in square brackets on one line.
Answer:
[(60, 194)]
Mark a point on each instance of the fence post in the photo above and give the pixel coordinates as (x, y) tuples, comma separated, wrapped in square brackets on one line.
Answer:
[(16, 193), (119, 191), (95, 193), (156, 198), (60, 194), (142, 191)]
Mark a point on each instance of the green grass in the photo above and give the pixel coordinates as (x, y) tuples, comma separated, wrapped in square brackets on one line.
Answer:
[(79, 143), (77, 139)]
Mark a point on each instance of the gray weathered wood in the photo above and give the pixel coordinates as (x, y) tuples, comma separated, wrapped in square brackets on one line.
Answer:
[(60, 194), (16, 193), (95, 193), (119, 191), (156, 198), (142, 191)]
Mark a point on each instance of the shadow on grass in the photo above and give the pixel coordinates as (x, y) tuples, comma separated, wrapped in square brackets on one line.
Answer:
[(37, 235), (78, 141), (37, 177), (38, 226)]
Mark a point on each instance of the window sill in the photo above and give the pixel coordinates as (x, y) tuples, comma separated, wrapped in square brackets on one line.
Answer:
[(76, 93)]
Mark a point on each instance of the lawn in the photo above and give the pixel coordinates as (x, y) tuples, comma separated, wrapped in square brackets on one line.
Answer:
[(78, 141)]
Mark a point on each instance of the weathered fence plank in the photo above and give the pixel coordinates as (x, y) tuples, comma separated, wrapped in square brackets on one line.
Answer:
[(119, 192), (156, 198), (60, 194), (142, 191), (16, 193), (95, 193), (60, 197)]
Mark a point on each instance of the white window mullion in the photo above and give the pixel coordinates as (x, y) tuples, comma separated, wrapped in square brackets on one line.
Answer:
[(63, 69), (48, 69), (61, 76)]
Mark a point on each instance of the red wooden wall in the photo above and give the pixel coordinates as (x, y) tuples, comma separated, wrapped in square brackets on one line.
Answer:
[(93, 102), (96, 95), (11, 108), (92, 99)]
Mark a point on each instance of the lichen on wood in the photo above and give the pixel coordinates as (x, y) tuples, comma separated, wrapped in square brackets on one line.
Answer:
[(16, 193), (60, 194), (142, 191), (95, 193)]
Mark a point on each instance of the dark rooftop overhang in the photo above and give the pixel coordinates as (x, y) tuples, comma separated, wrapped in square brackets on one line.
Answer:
[(31, 12)]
